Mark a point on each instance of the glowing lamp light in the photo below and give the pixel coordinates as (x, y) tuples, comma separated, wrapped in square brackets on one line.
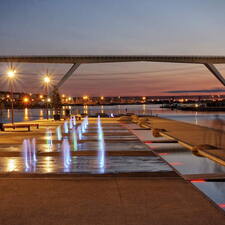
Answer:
[(102, 97), (40, 96), (46, 79), (25, 100), (48, 100), (85, 97), (11, 73)]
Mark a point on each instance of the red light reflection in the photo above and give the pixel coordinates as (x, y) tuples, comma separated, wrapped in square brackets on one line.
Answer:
[(198, 181), (176, 163), (163, 153), (222, 205)]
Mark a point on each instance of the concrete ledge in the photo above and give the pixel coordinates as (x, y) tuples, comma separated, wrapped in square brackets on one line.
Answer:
[(13, 175)]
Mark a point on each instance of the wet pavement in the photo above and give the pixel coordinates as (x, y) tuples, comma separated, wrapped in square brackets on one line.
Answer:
[(86, 164), (134, 150), (96, 137), (205, 174)]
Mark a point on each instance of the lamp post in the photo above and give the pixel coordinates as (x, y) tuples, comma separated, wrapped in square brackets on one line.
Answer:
[(46, 82), (11, 74)]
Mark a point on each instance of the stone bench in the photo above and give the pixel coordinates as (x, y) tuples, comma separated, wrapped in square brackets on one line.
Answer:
[(22, 125)]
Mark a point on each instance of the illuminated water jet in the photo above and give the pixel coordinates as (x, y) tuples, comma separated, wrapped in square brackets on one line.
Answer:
[(74, 137), (101, 146), (79, 132), (29, 154), (59, 133), (70, 124), (49, 138), (74, 120), (66, 129), (66, 155)]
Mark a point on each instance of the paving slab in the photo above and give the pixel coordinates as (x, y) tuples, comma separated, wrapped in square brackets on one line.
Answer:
[(106, 201)]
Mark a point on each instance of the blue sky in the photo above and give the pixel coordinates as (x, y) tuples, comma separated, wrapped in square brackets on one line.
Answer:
[(32, 27)]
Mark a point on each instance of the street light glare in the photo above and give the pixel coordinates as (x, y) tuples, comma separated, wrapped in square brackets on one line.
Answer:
[(11, 73), (46, 79)]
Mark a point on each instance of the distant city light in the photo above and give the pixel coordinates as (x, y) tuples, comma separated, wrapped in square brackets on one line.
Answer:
[(181, 100), (25, 100), (85, 97), (102, 98)]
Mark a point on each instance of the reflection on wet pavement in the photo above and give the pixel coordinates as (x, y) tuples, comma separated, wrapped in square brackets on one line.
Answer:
[(70, 138), (86, 164), (115, 146), (188, 164), (214, 190), (185, 162)]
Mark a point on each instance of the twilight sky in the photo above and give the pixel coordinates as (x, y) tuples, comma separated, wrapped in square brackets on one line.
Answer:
[(48, 27)]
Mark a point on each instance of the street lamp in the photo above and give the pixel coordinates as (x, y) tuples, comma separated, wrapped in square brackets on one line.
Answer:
[(11, 74), (46, 82)]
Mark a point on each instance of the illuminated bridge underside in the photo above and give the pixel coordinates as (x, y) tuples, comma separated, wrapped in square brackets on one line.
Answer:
[(208, 61)]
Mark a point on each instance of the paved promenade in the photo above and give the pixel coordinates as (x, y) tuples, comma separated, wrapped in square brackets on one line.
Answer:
[(128, 184)]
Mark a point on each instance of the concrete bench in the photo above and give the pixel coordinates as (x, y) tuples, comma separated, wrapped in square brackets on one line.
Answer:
[(14, 126)]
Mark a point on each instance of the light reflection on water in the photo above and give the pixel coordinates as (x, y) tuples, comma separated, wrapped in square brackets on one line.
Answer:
[(200, 118), (11, 165), (84, 164), (48, 164), (26, 115)]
